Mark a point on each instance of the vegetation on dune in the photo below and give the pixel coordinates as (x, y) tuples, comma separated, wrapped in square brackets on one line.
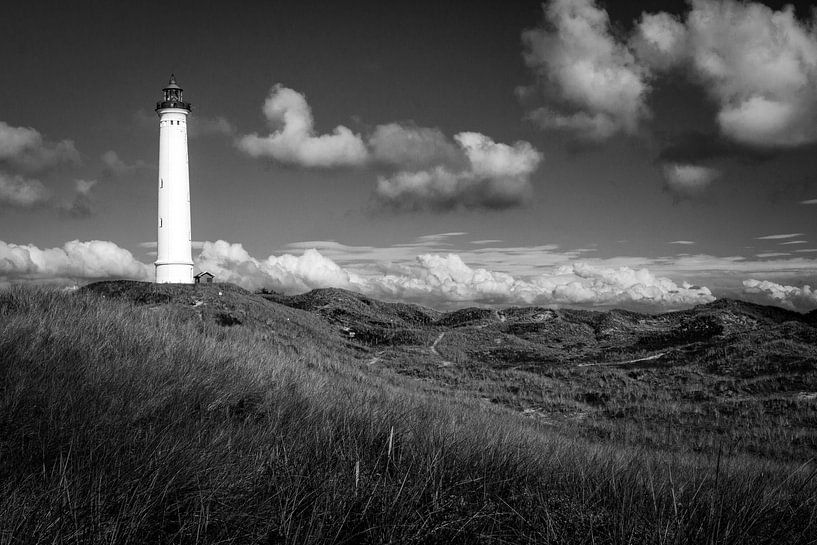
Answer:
[(728, 376), (205, 414)]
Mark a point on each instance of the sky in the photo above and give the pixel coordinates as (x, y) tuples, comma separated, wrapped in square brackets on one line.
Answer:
[(651, 155)]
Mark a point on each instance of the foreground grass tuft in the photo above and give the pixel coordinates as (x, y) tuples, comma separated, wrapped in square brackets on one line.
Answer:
[(122, 423)]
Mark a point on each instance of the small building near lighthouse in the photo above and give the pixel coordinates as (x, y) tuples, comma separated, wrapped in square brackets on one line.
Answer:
[(204, 277), (174, 262)]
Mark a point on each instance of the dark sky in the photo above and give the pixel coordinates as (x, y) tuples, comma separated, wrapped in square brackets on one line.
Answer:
[(684, 182)]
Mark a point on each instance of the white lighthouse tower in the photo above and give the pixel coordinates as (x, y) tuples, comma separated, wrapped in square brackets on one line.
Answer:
[(174, 262)]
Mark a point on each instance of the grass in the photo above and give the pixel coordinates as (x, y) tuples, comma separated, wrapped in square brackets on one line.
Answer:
[(729, 376), (154, 423)]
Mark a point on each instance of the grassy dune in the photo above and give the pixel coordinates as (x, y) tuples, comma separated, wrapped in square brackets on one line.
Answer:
[(231, 419)]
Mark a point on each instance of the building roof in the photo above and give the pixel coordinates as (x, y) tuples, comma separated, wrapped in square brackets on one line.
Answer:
[(204, 273), (172, 83)]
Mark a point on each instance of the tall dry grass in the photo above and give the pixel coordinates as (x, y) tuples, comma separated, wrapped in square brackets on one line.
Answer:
[(126, 424)]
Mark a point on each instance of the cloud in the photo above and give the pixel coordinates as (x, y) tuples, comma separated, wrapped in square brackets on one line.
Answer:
[(412, 148), (76, 260), (446, 279), (688, 180), (760, 65), (772, 254), (794, 242), (809, 201), (780, 237), (25, 149), (419, 168), (771, 293), (287, 273), (199, 126), (23, 193), (83, 204), (19, 192), (439, 238), (441, 279), (683, 242), (114, 167), (529, 261), (519, 276), (592, 84), (516, 260), (293, 140), (113, 164), (659, 41), (495, 176)]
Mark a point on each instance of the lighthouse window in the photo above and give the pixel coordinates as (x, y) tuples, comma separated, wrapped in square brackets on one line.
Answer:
[(161, 183), (160, 222)]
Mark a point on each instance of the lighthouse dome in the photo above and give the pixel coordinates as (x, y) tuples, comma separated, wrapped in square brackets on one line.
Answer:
[(172, 84)]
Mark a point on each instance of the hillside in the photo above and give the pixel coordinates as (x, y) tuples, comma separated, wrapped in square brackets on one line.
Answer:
[(221, 304), (131, 412), (726, 374)]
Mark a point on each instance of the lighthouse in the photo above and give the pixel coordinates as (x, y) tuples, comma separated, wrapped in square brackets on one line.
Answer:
[(174, 262)]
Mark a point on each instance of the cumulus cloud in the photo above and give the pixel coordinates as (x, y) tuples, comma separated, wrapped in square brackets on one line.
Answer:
[(494, 176), (446, 279), (408, 147), (439, 279), (19, 192), (761, 65), (287, 273), (771, 293), (593, 84), (758, 64), (659, 41), (293, 140), (24, 148), (75, 260), (419, 167), (688, 180)]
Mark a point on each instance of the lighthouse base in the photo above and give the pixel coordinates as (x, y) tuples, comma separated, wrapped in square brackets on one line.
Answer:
[(174, 273)]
